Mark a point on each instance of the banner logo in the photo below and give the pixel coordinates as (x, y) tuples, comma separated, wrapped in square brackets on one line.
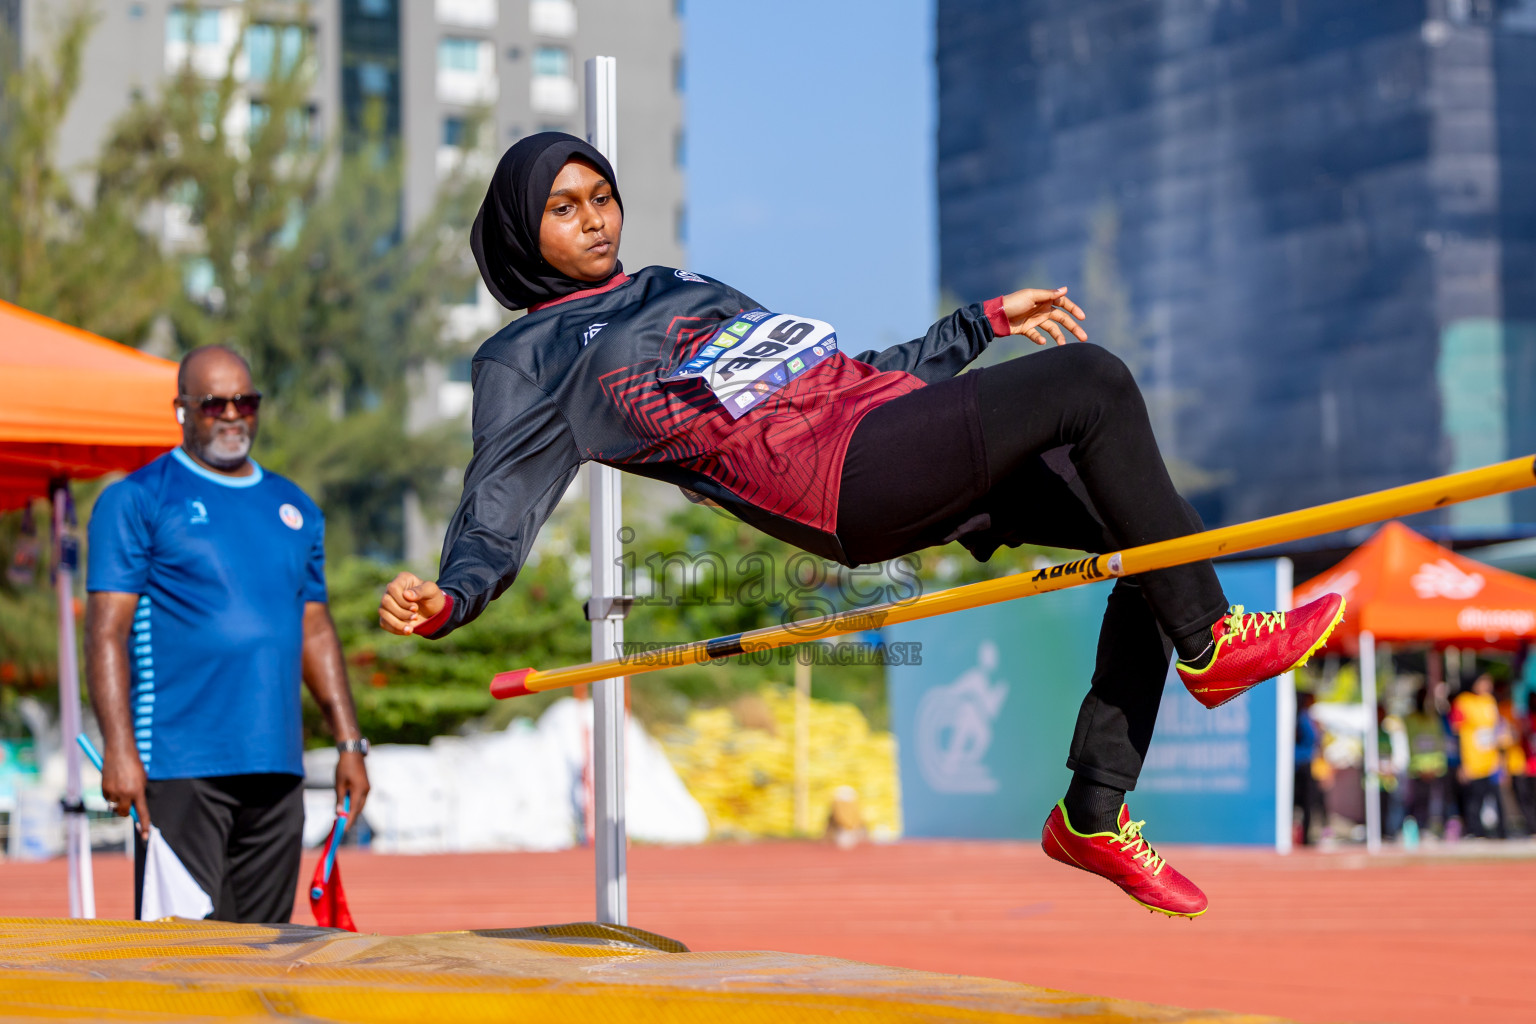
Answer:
[(954, 728), (1444, 578)]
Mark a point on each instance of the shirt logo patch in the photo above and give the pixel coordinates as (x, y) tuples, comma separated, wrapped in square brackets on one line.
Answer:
[(590, 333), (685, 275), (291, 517), (197, 513)]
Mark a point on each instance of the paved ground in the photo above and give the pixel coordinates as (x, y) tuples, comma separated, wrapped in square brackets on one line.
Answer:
[(1313, 937)]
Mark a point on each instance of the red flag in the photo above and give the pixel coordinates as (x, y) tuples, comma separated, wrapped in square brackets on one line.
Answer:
[(327, 899)]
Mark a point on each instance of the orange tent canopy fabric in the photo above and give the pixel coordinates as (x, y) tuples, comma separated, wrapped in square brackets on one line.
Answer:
[(1402, 587), (75, 405)]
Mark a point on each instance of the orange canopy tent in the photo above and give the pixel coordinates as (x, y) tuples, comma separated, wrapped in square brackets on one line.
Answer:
[(1402, 587), (76, 406)]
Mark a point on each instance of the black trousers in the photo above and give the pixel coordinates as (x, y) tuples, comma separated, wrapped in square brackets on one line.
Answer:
[(1055, 449), (239, 836), (1475, 794), (1525, 798), (1426, 799), (1306, 796)]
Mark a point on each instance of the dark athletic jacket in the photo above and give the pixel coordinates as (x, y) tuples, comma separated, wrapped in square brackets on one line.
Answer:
[(581, 379)]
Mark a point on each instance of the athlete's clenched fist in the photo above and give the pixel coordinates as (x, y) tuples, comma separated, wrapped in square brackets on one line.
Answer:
[(409, 601)]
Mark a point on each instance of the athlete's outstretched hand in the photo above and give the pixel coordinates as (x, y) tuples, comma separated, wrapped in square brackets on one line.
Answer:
[(409, 601), (1035, 312)]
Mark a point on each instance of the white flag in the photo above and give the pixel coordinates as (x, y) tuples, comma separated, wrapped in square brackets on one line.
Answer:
[(169, 888)]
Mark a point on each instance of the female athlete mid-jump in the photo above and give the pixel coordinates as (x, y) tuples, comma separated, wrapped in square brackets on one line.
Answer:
[(856, 458)]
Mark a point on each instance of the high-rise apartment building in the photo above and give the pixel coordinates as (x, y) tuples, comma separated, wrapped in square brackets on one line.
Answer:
[(458, 81), (1316, 218)]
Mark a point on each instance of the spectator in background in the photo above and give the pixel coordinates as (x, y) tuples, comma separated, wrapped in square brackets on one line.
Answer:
[(1305, 793), (1392, 766), (1475, 719), (1525, 783), (207, 607), (1512, 747), (1427, 763)]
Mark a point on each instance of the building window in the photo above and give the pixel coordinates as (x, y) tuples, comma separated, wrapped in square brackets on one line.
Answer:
[(679, 73), (459, 132), (552, 18), (376, 8), (200, 27), (302, 123), (135, 11), (372, 79), (554, 61), (680, 149), (273, 48), (258, 116), (208, 112), (466, 71), (303, 128), (457, 53), (553, 89)]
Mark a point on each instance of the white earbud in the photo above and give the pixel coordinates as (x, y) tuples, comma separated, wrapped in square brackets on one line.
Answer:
[(181, 415)]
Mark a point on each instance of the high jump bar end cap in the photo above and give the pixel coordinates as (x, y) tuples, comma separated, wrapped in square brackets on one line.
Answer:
[(510, 684)]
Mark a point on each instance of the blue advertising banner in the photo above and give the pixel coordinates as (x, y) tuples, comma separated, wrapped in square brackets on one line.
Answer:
[(983, 724)]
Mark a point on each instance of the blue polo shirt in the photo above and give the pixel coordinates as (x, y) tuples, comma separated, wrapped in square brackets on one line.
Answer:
[(223, 566)]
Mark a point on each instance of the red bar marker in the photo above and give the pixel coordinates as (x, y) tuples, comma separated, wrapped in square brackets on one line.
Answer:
[(510, 684)]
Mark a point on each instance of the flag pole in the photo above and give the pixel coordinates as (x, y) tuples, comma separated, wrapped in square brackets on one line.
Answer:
[(1498, 478), (607, 606)]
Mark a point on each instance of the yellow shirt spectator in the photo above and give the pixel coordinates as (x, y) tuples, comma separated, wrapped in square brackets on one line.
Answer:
[(1475, 717)]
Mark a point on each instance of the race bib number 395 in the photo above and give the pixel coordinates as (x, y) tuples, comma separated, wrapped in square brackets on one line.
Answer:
[(757, 353)]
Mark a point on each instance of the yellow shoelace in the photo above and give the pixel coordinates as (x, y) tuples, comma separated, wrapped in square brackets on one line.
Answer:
[(1238, 624), (1129, 838)]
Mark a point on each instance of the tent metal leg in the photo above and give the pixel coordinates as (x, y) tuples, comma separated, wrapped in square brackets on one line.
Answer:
[(1371, 744), (77, 841)]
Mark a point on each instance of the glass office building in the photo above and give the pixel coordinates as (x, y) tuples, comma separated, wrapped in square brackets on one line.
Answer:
[(1309, 226)]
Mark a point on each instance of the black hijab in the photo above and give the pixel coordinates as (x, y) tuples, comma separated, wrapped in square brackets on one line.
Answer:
[(505, 236)]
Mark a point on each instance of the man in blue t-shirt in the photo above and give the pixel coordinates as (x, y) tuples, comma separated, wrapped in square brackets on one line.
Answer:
[(207, 609)]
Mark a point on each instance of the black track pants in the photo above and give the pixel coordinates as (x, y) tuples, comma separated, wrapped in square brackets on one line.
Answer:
[(1056, 449), (239, 836)]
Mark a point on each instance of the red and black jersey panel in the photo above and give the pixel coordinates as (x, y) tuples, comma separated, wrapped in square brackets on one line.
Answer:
[(582, 379)]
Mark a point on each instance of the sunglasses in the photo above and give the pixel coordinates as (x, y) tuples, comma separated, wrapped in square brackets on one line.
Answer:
[(213, 406)]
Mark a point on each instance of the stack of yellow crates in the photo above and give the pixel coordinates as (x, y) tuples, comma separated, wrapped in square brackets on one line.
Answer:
[(740, 764)]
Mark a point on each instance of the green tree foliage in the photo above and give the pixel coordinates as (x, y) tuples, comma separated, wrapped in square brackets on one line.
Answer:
[(312, 274), (298, 259), (86, 264), (28, 613)]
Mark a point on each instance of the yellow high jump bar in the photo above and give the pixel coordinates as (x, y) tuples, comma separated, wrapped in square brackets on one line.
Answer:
[(1498, 478)]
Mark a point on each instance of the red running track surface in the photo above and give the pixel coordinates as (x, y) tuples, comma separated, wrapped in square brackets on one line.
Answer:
[(1312, 937)]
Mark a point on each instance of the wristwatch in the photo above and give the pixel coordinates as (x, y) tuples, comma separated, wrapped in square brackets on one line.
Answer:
[(353, 747)]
